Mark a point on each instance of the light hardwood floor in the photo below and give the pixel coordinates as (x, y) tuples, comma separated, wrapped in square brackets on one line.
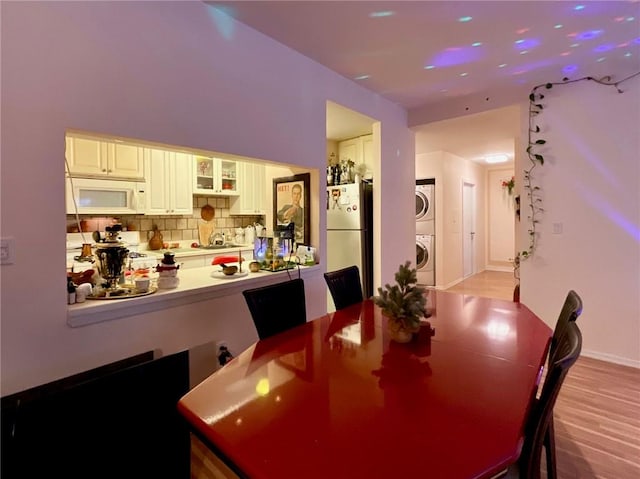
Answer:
[(597, 414)]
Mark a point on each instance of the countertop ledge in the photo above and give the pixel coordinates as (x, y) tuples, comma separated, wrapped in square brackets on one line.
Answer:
[(196, 284)]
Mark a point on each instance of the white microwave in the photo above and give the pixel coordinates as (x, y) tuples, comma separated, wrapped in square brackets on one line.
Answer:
[(108, 197)]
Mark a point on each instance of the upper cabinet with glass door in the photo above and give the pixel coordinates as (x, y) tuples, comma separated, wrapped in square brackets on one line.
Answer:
[(215, 177), (92, 157)]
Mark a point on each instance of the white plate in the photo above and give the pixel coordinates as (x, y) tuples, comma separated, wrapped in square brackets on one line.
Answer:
[(221, 275)]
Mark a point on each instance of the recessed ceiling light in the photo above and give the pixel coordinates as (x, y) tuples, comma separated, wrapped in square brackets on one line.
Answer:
[(502, 65), (496, 158), (574, 45), (476, 44), (362, 77), (630, 19), (628, 54), (524, 52), (578, 7), (601, 59), (463, 74), (382, 13), (559, 25), (429, 67), (465, 19)]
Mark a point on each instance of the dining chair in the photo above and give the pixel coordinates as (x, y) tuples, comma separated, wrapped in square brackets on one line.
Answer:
[(540, 416), (277, 307), (571, 309), (345, 286)]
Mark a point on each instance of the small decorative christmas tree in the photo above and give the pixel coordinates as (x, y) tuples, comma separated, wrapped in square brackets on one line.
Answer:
[(405, 301)]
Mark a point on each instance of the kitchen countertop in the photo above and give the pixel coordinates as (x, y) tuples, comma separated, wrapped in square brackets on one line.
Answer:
[(196, 284)]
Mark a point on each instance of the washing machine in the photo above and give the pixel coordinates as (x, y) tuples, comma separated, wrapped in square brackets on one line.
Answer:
[(425, 206), (425, 259)]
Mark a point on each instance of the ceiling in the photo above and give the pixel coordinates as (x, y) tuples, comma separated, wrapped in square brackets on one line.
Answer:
[(424, 55)]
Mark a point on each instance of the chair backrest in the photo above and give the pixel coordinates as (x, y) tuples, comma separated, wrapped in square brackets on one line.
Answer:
[(345, 286), (571, 309), (567, 351), (277, 307)]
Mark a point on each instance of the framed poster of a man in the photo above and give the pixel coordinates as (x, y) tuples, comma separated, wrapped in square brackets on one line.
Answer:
[(291, 205)]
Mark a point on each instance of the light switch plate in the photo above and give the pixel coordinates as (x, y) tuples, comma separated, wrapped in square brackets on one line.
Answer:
[(7, 250)]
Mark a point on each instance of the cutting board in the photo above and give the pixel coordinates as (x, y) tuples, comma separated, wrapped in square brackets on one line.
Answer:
[(205, 230)]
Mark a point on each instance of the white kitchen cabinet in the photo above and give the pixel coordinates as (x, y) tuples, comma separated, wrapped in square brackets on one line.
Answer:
[(215, 176), (367, 154), (359, 150), (169, 182), (251, 188), (96, 158)]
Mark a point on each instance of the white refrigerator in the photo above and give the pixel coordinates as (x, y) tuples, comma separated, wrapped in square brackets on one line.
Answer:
[(350, 232)]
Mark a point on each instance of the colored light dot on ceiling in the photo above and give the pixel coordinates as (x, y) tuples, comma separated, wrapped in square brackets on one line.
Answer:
[(502, 65), (463, 74), (429, 67), (622, 45), (570, 68), (618, 19), (476, 44), (578, 7), (565, 54), (382, 13), (559, 25), (636, 40), (465, 19), (444, 90), (572, 34), (522, 30), (601, 59), (603, 48), (362, 77), (589, 34)]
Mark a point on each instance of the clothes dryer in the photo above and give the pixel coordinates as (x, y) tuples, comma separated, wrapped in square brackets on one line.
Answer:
[(425, 207), (425, 260)]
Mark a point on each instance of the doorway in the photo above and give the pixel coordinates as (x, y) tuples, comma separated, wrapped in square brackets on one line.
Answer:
[(468, 228)]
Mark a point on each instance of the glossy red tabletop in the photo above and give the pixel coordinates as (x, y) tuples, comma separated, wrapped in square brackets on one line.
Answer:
[(335, 398)]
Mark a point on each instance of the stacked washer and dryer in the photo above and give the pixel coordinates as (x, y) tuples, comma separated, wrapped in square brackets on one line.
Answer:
[(425, 231)]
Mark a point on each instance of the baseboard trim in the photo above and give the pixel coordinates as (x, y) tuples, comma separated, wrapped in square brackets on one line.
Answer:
[(611, 358), (502, 269)]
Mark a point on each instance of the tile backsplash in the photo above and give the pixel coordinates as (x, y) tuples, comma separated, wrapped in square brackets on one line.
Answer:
[(173, 228)]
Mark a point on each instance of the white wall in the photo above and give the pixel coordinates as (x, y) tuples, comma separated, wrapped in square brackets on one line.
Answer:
[(167, 72), (591, 185), (500, 220)]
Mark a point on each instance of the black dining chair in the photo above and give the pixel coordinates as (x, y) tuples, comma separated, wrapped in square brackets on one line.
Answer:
[(277, 307), (345, 286), (571, 309), (540, 417)]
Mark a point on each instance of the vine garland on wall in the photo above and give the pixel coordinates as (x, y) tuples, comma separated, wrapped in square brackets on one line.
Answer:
[(534, 192)]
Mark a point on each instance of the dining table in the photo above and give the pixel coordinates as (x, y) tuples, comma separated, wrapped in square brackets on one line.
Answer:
[(337, 398)]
